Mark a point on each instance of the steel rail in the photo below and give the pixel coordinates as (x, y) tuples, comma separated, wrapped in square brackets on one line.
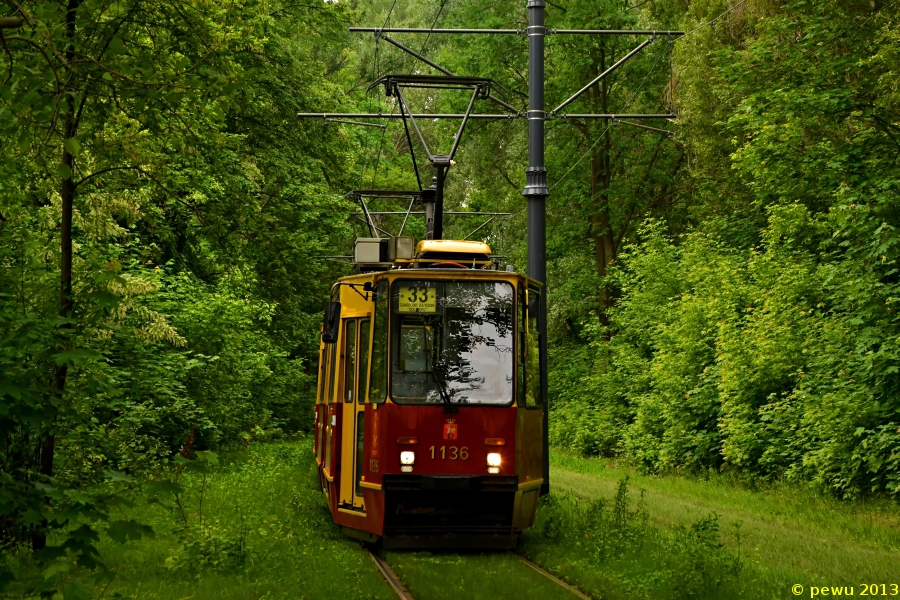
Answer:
[(404, 594), (388, 573), (569, 587)]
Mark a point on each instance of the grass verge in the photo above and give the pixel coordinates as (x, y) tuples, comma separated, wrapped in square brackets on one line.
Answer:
[(608, 548), (256, 527), (785, 535)]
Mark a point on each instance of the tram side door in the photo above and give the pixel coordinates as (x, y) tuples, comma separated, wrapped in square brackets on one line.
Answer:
[(362, 392), (529, 422), (355, 349), (329, 413), (320, 416)]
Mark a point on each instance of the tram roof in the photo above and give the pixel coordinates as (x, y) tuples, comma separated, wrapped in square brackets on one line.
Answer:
[(439, 273), (453, 246)]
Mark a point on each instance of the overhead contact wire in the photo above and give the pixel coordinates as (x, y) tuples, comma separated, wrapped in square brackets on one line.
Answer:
[(383, 131), (712, 22), (603, 133), (374, 76)]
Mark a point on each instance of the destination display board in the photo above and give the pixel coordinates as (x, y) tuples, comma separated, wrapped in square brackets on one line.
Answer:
[(416, 299)]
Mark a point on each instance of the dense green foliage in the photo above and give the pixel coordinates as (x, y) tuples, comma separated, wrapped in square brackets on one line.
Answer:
[(759, 333), (724, 299), (158, 214)]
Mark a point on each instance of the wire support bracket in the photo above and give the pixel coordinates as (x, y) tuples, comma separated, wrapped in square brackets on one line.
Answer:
[(486, 116), (360, 123), (547, 31), (664, 132), (602, 75)]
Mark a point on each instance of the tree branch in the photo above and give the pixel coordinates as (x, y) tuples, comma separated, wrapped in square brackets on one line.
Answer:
[(41, 50), (506, 177), (9, 55), (102, 171)]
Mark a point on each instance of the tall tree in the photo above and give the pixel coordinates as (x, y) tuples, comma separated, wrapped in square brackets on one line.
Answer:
[(147, 132)]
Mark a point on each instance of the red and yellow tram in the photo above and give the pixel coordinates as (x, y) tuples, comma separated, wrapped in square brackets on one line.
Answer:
[(429, 404)]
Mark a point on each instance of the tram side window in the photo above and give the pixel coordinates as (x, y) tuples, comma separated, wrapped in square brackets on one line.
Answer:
[(378, 378), (363, 359), (349, 360), (522, 345), (532, 350), (320, 393), (332, 363)]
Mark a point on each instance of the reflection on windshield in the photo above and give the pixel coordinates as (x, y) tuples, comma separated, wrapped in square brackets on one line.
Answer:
[(452, 342)]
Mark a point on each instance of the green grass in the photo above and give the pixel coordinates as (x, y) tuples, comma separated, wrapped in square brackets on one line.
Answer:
[(266, 533), (609, 548), (474, 576), (787, 534)]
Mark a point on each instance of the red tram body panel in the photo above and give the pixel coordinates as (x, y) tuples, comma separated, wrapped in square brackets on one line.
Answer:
[(429, 410)]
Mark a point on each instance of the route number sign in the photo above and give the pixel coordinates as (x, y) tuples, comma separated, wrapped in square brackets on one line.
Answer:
[(417, 299)]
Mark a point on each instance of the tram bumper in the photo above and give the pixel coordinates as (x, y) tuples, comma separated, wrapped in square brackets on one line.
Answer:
[(449, 511)]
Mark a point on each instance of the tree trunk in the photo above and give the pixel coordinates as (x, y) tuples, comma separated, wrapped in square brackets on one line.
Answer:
[(601, 178), (66, 302)]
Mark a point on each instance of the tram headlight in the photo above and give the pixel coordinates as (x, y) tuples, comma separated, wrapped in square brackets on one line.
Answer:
[(494, 459), (407, 458)]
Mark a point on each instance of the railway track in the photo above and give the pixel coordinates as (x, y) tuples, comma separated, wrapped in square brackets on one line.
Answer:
[(403, 593), (571, 588), (388, 573)]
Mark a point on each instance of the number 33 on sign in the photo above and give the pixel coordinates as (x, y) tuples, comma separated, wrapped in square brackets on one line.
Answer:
[(452, 452), (417, 299)]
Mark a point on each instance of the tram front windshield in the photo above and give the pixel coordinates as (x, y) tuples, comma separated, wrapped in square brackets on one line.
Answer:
[(452, 342)]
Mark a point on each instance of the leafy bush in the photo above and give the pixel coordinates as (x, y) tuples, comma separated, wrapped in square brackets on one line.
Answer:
[(778, 361), (756, 328)]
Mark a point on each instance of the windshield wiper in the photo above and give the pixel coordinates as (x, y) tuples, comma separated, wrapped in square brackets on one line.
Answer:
[(449, 407), (440, 381)]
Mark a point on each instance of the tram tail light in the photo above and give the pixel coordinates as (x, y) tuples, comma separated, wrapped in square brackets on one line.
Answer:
[(407, 458), (493, 459), (494, 442)]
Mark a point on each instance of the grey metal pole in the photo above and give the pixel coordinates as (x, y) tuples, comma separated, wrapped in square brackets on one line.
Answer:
[(428, 198), (536, 192), (441, 170)]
